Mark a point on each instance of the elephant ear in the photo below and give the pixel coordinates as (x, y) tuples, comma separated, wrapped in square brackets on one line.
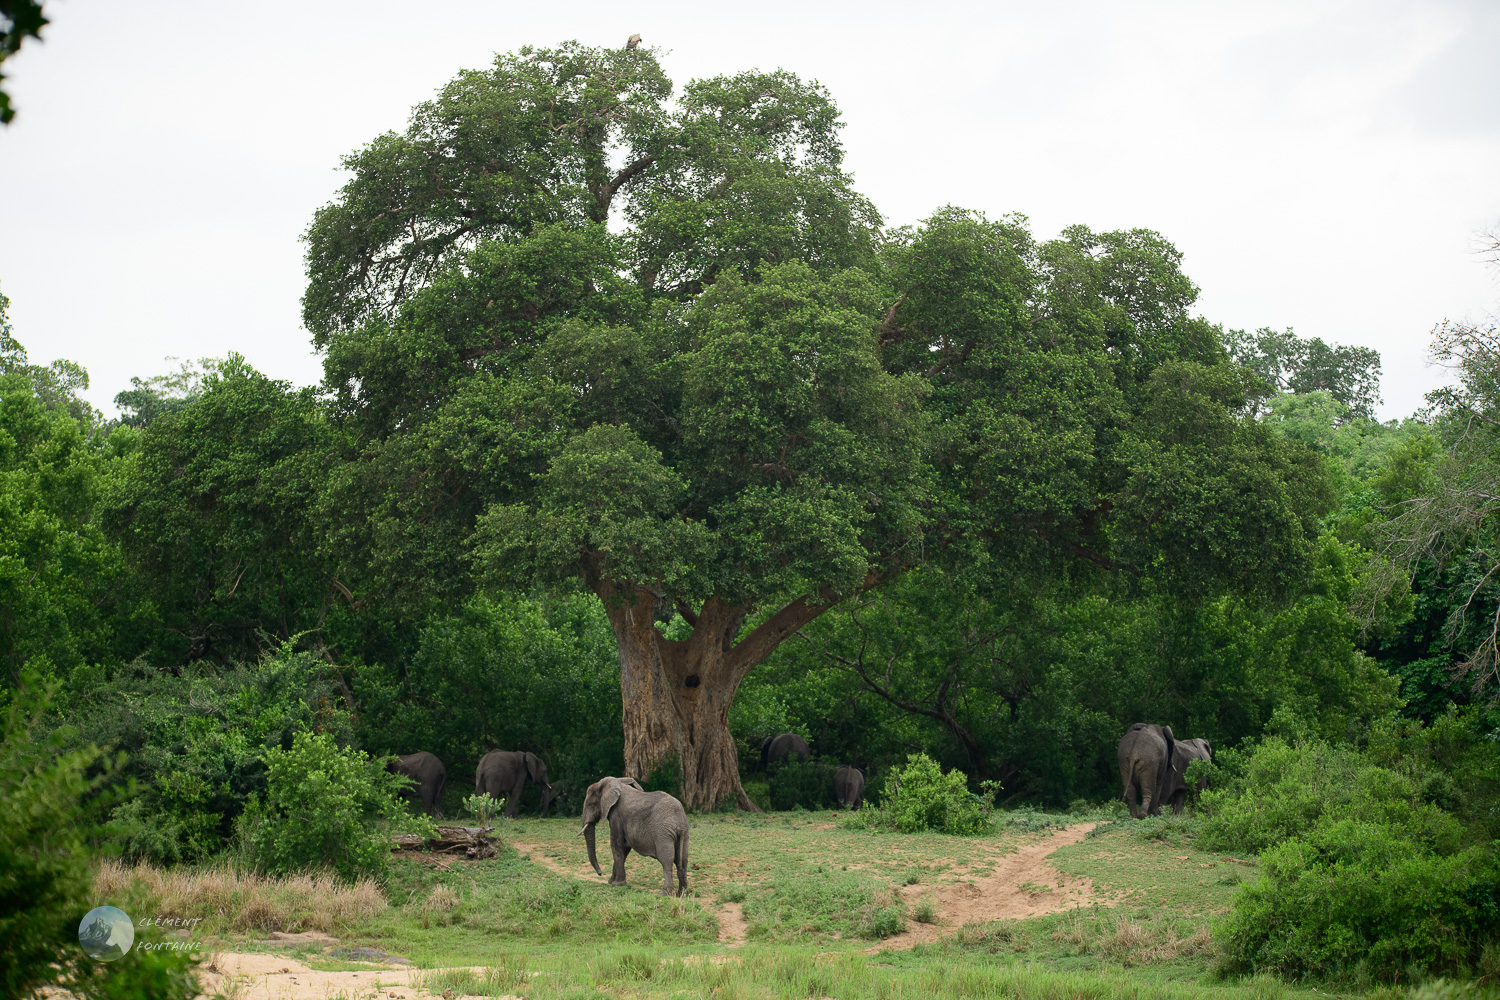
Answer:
[(532, 766), (632, 783), (611, 796)]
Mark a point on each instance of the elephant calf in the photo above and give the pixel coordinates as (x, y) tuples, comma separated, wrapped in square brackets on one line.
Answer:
[(429, 774), (653, 823), (849, 787)]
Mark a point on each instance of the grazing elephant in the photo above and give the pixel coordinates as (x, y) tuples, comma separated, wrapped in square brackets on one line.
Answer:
[(849, 787), (504, 772), (1184, 752), (430, 776), (653, 823), (1146, 767), (776, 749)]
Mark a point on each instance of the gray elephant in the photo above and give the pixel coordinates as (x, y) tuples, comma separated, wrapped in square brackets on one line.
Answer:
[(504, 772), (430, 776), (1184, 752), (1146, 767), (778, 749), (849, 787), (653, 823)]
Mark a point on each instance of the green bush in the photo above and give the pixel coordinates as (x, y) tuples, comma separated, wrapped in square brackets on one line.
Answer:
[(1358, 897), (321, 809), (805, 783), (197, 742), (1361, 874), (48, 813), (1278, 791), (927, 799)]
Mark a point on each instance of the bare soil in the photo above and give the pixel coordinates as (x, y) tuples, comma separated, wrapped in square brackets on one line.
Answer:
[(1023, 884), (244, 976)]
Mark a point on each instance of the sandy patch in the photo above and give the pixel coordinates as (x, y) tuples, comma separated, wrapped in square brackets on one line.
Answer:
[(243, 976), (1022, 885)]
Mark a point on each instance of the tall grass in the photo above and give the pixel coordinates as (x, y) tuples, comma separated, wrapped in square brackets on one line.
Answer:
[(231, 900)]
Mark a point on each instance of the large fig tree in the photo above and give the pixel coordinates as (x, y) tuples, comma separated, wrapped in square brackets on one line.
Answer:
[(584, 331)]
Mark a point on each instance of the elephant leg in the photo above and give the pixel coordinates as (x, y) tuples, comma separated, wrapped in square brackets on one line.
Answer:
[(513, 800), (617, 876), (666, 875), (666, 852)]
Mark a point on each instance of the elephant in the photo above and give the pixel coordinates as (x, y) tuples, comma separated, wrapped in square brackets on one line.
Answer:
[(504, 772), (777, 749), (429, 774), (1184, 752), (653, 823), (849, 787), (1146, 767)]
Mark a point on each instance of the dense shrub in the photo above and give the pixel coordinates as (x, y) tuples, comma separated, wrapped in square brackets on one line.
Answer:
[(48, 813), (805, 783), (195, 742), (927, 799), (321, 808), (1361, 875), (1278, 791), (1360, 897)]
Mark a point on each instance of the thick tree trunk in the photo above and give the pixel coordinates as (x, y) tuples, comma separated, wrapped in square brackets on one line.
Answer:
[(677, 693)]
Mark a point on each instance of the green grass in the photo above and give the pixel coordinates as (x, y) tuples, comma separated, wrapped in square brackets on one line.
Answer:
[(1153, 862), (815, 896)]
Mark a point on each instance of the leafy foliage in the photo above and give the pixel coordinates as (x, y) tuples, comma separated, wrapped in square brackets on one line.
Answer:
[(320, 810), (49, 817), (1362, 874), (927, 799), (196, 741)]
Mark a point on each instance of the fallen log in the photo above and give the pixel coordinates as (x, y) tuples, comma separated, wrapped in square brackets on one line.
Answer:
[(469, 841)]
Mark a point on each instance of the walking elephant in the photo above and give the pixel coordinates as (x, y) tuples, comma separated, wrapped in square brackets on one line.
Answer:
[(504, 772), (1184, 752), (1146, 767), (653, 823), (849, 787), (778, 749), (430, 777)]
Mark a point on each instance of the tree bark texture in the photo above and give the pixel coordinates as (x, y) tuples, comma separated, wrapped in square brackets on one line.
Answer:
[(677, 693)]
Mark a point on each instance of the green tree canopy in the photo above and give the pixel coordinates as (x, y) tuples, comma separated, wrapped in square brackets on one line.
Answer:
[(738, 403)]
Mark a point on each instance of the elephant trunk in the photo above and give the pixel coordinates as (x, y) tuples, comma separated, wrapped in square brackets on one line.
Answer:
[(588, 838)]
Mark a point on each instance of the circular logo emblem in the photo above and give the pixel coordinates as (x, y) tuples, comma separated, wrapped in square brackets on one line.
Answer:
[(106, 933)]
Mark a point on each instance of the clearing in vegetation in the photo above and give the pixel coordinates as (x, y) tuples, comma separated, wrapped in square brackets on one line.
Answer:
[(780, 905)]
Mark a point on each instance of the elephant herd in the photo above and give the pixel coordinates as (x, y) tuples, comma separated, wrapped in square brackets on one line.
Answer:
[(848, 782), (1153, 767), (501, 773)]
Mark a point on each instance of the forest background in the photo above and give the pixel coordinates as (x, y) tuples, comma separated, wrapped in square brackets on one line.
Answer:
[(642, 439)]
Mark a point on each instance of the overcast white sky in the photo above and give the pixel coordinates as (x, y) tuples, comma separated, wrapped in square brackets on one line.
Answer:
[(1322, 164)]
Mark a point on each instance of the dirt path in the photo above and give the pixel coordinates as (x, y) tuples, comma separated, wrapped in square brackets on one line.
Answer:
[(1023, 885)]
